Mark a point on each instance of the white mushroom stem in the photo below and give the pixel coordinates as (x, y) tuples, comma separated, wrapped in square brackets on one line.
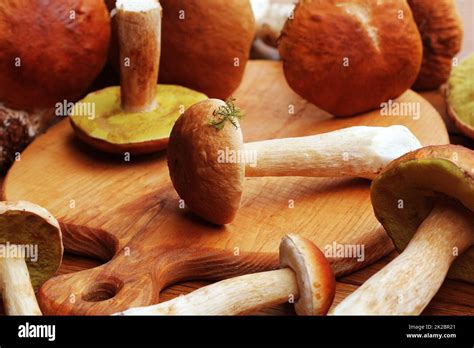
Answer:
[(139, 37), (356, 151), (17, 293), (407, 284), (235, 296)]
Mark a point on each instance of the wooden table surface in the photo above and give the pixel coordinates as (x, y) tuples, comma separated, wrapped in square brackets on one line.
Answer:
[(454, 297)]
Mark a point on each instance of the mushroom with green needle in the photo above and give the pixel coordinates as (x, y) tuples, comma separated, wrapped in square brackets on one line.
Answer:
[(212, 186)]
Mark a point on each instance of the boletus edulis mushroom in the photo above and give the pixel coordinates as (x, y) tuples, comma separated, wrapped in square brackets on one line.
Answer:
[(205, 44), (50, 52), (442, 33), (460, 96), (31, 251), (348, 57), (305, 279), (425, 201), (136, 117), (211, 182)]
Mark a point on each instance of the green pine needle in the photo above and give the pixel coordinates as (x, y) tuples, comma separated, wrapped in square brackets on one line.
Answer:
[(229, 112)]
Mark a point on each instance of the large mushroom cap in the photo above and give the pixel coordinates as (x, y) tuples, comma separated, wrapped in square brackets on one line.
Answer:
[(316, 282), (348, 57), (27, 224), (404, 193), (209, 181), (50, 50)]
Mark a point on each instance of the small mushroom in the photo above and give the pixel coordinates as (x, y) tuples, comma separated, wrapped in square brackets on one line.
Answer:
[(425, 201), (26, 226), (305, 277), (136, 117), (208, 160)]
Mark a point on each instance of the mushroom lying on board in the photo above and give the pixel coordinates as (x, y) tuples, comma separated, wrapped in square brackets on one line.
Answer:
[(136, 117), (425, 201), (305, 277), (26, 226), (211, 183)]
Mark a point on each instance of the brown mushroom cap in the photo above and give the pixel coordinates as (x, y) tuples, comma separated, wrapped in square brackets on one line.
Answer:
[(404, 193), (314, 274), (206, 44), (61, 45), (25, 223), (382, 53), (211, 188), (442, 33)]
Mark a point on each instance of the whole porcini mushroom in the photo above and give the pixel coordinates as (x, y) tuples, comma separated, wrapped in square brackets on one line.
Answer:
[(208, 160), (348, 57), (305, 277), (425, 201), (137, 116), (460, 96), (24, 227), (50, 52), (441, 31)]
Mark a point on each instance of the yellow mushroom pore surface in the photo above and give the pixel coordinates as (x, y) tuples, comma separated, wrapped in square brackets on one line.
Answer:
[(100, 115), (461, 91)]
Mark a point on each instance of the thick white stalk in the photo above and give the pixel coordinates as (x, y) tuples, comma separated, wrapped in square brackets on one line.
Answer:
[(235, 296), (407, 284), (17, 293), (139, 36), (356, 151)]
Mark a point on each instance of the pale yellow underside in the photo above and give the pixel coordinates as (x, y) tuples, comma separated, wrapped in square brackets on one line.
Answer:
[(112, 124)]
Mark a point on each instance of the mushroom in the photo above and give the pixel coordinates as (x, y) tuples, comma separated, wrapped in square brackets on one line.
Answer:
[(441, 31), (208, 160), (425, 201), (26, 229), (50, 53), (348, 57), (206, 44), (460, 96), (136, 117), (305, 277)]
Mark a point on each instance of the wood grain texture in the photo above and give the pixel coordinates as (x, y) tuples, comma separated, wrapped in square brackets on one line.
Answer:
[(127, 211)]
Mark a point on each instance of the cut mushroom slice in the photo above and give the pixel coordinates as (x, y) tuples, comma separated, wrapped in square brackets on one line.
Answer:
[(306, 279), (208, 160), (425, 201), (32, 249), (136, 117)]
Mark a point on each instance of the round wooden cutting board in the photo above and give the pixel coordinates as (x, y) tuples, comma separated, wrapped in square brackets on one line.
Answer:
[(127, 212)]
